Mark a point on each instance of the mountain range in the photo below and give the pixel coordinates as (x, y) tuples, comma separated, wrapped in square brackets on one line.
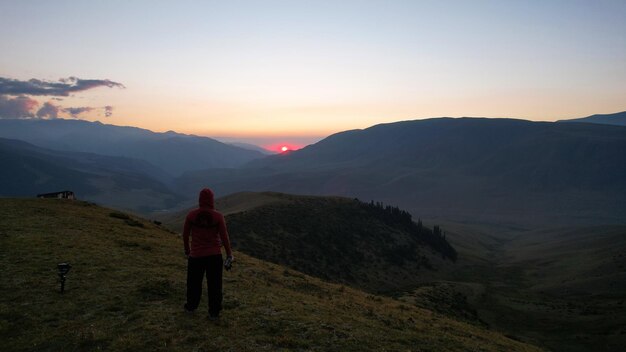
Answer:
[(467, 169), (173, 152)]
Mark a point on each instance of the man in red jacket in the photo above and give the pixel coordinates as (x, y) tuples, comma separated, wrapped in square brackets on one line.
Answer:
[(207, 229)]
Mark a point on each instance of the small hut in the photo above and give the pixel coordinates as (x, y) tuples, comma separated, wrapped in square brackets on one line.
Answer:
[(58, 195)]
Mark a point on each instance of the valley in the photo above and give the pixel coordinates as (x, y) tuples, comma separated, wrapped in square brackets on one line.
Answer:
[(561, 288)]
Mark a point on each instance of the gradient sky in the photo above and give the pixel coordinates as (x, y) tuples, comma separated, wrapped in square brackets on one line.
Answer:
[(294, 71)]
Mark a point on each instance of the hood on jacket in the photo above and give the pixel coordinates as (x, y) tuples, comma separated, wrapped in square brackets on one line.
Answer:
[(206, 199)]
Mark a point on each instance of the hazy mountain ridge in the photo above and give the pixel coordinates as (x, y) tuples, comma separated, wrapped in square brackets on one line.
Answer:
[(469, 169), (618, 119), (251, 147), (115, 181), (466, 169), (173, 152)]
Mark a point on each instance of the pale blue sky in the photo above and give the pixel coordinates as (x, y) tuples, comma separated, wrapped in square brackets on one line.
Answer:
[(295, 68)]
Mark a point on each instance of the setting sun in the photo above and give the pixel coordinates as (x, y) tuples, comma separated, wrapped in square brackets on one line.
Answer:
[(283, 147)]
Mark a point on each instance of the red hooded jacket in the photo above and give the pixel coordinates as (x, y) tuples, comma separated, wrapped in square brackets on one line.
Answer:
[(207, 228)]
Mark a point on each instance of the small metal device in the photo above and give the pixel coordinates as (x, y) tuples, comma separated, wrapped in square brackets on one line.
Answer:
[(63, 269), (228, 263)]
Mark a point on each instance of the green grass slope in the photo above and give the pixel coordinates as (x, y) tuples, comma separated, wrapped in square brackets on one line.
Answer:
[(126, 290), (563, 288)]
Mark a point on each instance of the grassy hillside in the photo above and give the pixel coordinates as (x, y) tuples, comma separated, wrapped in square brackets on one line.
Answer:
[(370, 246), (126, 290)]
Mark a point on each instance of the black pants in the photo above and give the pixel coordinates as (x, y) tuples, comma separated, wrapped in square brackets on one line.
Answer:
[(196, 269)]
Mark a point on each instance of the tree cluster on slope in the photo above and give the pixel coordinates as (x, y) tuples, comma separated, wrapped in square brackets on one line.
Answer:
[(434, 238)]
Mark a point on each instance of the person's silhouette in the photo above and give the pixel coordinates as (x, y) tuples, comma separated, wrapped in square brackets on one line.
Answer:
[(208, 232)]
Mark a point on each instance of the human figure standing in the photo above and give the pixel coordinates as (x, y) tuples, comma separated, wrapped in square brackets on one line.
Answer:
[(208, 232)]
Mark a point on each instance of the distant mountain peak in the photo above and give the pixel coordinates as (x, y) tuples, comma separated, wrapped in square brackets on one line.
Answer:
[(617, 119)]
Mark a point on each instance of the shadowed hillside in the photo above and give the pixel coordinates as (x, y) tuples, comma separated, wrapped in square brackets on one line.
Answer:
[(376, 248), (126, 289)]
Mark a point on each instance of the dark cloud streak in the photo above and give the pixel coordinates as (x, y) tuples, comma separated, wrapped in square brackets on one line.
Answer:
[(23, 107), (63, 87), (16, 101), (74, 112)]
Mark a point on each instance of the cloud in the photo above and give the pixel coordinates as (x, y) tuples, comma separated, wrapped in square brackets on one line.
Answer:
[(49, 111), (74, 112), (16, 100), (52, 111), (17, 107), (23, 107), (63, 87)]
